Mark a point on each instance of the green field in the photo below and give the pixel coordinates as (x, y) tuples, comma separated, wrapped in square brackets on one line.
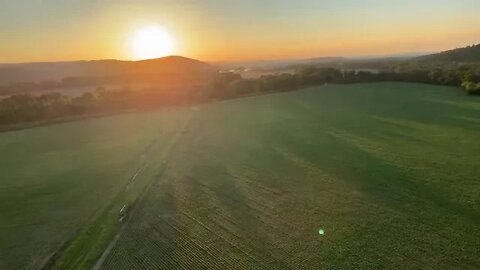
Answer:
[(389, 171)]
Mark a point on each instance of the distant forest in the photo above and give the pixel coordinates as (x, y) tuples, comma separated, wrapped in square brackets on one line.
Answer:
[(469, 54), (205, 84)]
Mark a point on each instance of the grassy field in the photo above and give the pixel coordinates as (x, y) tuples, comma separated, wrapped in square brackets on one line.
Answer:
[(56, 180), (389, 171)]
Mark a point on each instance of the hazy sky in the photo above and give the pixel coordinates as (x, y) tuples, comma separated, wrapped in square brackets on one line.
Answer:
[(52, 30)]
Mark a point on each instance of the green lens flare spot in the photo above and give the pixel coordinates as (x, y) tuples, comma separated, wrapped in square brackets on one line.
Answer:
[(321, 232)]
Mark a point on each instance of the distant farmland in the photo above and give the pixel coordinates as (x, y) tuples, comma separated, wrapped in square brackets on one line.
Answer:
[(389, 171)]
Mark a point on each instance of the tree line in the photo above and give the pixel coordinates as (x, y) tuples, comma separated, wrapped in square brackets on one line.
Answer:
[(22, 108), (229, 85)]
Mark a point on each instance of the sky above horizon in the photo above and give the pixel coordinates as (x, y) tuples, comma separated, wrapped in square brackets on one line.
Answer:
[(58, 30)]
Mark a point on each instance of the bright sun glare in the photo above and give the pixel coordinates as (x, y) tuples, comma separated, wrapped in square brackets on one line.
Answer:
[(152, 42)]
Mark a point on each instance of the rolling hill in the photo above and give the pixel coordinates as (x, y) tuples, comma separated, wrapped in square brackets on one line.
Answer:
[(36, 72), (467, 54)]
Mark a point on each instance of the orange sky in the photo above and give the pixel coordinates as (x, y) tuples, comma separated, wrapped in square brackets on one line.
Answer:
[(54, 30)]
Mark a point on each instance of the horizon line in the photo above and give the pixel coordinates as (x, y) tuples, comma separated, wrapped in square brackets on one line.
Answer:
[(352, 57)]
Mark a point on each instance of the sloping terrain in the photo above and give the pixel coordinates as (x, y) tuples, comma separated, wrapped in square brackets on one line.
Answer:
[(36, 72), (389, 172), (460, 55)]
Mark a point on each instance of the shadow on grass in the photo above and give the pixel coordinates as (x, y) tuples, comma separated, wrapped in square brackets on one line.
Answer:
[(382, 180)]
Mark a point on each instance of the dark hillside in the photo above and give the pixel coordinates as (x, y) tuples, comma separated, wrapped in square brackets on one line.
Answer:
[(465, 55), (36, 72)]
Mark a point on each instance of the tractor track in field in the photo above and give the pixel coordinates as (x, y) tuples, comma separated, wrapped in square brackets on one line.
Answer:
[(143, 164), (52, 259), (141, 168)]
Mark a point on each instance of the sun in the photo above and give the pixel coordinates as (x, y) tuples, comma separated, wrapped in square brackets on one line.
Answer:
[(151, 42)]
